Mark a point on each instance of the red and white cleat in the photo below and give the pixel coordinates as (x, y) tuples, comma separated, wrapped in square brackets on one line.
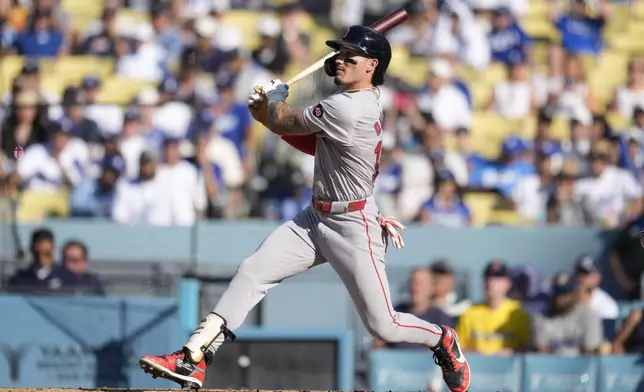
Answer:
[(175, 367), (450, 358)]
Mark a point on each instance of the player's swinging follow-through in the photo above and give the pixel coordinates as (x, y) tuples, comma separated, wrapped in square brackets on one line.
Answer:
[(341, 226)]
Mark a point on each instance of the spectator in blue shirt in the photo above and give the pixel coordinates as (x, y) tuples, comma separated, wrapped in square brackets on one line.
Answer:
[(168, 35), (543, 138), (517, 162), (42, 38), (74, 120), (446, 208), (72, 276), (508, 42), (94, 198), (581, 33)]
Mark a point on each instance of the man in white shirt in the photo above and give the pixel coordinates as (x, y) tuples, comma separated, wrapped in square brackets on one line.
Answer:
[(612, 193), (138, 201), (447, 103), (109, 117), (589, 278), (515, 98), (51, 168), (145, 63), (132, 143)]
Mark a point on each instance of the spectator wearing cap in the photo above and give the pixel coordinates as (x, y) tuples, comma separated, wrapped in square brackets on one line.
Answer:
[(74, 120), (612, 193), (271, 52), (516, 163), (147, 101), (515, 98), (30, 74), (24, 126), (72, 276), (589, 278), (95, 197), (55, 166), (562, 208), (34, 277), (458, 34), (498, 325), (568, 327), (140, 201), (182, 189), (630, 96), (580, 33), (205, 29), (531, 193), (445, 295), (147, 61), (445, 101), (508, 41), (626, 256), (107, 42), (190, 89), (132, 143), (168, 35), (575, 149), (446, 207), (41, 38), (421, 292), (108, 117), (544, 137), (172, 116), (433, 147), (231, 119)]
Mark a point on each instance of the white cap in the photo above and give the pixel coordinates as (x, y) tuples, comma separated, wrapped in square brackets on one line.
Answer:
[(441, 68), (206, 26), (269, 27), (388, 141), (220, 6), (148, 96), (581, 114), (228, 39), (144, 32)]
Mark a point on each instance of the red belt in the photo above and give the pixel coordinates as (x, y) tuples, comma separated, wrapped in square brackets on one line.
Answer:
[(338, 207)]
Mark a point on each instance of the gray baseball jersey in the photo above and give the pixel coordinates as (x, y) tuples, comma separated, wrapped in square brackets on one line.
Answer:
[(349, 138)]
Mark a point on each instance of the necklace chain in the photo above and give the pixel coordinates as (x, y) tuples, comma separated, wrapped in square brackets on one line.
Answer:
[(375, 90)]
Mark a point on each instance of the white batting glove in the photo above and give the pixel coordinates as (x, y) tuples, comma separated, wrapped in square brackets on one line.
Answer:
[(391, 225), (256, 98), (276, 90)]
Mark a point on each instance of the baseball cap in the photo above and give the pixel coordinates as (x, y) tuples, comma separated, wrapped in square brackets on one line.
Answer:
[(441, 68), (269, 27), (91, 82), (31, 67), (586, 264), (563, 283), (131, 114), (441, 267), (169, 85), (148, 156), (600, 149), (73, 96), (496, 268), (224, 81), (115, 163)]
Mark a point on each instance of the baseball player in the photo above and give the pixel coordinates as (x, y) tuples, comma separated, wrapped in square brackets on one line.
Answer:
[(342, 225)]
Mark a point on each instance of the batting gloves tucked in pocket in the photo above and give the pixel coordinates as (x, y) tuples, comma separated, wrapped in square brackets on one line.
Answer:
[(391, 225)]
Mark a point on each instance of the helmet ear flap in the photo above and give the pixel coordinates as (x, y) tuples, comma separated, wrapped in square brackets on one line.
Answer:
[(330, 66)]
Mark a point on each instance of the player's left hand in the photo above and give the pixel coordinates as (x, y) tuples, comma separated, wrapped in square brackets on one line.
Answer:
[(391, 225), (276, 90)]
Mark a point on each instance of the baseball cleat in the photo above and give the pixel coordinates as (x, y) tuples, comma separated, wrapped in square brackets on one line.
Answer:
[(450, 358), (175, 367)]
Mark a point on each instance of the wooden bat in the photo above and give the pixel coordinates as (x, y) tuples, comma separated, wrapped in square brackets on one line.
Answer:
[(382, 26)]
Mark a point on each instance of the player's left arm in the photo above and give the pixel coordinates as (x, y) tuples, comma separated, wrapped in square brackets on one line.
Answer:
[(285, 120)]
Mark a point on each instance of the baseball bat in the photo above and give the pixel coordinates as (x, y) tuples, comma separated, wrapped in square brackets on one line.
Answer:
[(382, 26)]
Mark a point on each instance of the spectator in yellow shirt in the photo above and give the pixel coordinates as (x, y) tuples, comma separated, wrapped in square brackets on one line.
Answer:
[(499, 325)]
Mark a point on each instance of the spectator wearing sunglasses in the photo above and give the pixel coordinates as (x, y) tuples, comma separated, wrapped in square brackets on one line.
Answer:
[(34, 278)]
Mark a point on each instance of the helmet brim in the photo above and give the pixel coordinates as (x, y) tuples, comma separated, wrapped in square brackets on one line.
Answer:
[(337, 44)]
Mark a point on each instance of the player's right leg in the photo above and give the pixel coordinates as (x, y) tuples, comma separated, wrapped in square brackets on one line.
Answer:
[(286, 252)]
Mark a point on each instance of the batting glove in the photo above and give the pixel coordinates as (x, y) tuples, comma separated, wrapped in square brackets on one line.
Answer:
[(256, 98), (276, 90), (391, 225)]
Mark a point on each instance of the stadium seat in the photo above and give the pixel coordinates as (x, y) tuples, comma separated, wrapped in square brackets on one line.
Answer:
[(621, 373), (617, 122), (10, 66), (559, 373), (120, 91), (541, 29), (35, 206), (480, 205), (72, 69)]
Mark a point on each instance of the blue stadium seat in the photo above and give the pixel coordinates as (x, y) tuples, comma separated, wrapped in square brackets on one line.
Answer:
[(624, 373), (493, 374), (401, 370), (559, 374)]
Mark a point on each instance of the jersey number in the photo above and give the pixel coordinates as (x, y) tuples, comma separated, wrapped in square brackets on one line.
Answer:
[(378, 151)]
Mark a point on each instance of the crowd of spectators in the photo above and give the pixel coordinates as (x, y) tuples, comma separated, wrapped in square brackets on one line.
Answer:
[(522, 312), (537, 138)]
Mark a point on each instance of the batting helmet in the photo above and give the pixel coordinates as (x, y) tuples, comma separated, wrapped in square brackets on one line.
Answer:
[(367, 42)]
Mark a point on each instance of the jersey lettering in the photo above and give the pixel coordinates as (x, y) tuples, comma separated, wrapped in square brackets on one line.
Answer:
[(378, 151)]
